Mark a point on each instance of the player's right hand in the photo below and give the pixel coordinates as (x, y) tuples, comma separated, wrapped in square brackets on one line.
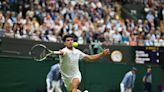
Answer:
[(61, 52)]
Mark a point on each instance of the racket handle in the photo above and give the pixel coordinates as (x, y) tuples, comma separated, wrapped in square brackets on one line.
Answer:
[(56, 52)]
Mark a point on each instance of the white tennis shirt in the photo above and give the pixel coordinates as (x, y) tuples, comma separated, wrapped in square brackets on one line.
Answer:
[(69, 62)]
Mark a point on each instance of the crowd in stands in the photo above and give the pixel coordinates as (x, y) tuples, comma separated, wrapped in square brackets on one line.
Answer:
[(88, 21)]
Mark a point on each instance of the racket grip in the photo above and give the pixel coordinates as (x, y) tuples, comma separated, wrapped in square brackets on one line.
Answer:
[(56, 52)]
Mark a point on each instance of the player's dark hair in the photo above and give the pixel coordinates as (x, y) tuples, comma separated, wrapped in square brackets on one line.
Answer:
[(67, 36)]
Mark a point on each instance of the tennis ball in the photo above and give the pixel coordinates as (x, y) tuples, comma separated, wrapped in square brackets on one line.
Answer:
[(75, 44)]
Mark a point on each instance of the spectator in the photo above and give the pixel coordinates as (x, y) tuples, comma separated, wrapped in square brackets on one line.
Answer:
[(36, 36), (132, 40), (158, 41), (140, 39), (108, 36), (2, 21), (35, 24), (117, 38), (125, 37), (148, 41), (51, 37), (162, 41), (147, 80), (27, 27), (8, 30), (127, 84), (53, 80)]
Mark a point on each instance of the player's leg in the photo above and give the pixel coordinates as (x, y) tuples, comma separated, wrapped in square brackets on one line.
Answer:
[(50, 85), (147, 87), (67, 83), (122, 89), (58, 86), (129, 90), (74, 84)]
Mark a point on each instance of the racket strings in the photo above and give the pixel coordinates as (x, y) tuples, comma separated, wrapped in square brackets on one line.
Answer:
[(42, 54), (39, 52)]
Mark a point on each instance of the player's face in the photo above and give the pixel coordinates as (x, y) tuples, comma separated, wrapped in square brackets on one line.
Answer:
[(134, 71), (69, 42)]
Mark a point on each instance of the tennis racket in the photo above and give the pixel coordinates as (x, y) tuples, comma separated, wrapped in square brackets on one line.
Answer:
[(40, 52)]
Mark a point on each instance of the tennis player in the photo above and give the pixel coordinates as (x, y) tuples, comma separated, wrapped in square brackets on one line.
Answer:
[(53, 80), (69, 63)]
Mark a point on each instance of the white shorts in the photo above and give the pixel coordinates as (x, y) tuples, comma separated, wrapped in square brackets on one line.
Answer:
[(123, 89), (68, 80)]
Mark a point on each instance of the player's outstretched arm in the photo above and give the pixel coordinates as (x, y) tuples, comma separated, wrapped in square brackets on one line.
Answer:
[(60, 52), (96, 56)]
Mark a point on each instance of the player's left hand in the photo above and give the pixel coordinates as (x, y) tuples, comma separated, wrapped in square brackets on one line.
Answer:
[(105, 51), (50, 86)]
